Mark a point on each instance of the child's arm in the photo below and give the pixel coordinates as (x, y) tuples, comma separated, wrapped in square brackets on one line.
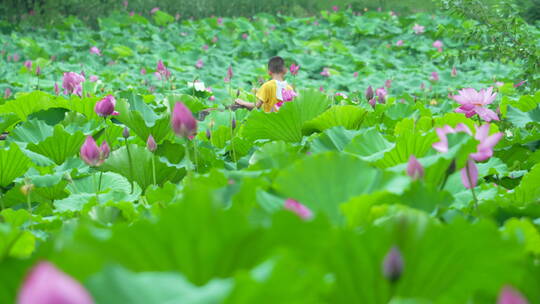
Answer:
[(249, 105)]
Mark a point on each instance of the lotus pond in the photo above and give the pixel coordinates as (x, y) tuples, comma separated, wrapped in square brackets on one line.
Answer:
[(401, 173)]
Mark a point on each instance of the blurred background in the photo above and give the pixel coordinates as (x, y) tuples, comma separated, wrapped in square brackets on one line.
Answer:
[(49, 11)]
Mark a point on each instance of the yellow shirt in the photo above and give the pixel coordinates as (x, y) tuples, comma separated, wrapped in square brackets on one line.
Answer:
[(267, 94)]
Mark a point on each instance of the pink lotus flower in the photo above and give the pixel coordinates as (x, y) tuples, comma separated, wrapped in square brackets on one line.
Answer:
[(28, 64), (16, 57), (56, 89), (288, 95), (388, 83), (517, 85), (294, 69), (484, 150), (335, 8), (342, 95), (95, 50), (105, 107), (393, 264), (474, 102), (355, 74), (72, 83), (509, 295), (46, 284), (369, 93), (499, 84), (219, 21), (182, 121), (325, 72), (434, 76), (437, 44), (399, 43), (93, 78), (125, 4), (199, 64), (143, 71), (302, 211), (93, 155), (151, 144), (469, 175), (7, 93), (38, 70), (321, 89), (414, 168), (381, 94), (205, 47), (132, 13), (154, 10), (162, 71), (454, 72), (245, 36), (418, 29), (229, 74), (215, 39), (212, 98), (372, 102)]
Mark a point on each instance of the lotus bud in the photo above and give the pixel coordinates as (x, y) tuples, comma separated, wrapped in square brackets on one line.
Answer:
[(208, 134), (302, 211), (233, 123), (393, 264), (509, 295), (105, 150), (182, 121), (414, 168), (38, 70), (105, 107), (369, 93), (27, 188), (47, 284), (125, 133), (90, 152), (469, 175), (56, 89), (151, 144)]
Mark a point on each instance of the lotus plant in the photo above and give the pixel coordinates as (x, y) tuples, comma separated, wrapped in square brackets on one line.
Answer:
[(509, 295), (95, 50), (418, 29), (72, 83), (438, 45), (151, 145), (325, 72), (199, 64), (414, 168), (46, 284), (392, 266), (184, 124), (93, 155), (105, 107), (302, 211), (381, 94), (474, 102)]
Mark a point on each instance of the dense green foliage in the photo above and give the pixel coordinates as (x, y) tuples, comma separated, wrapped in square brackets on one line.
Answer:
[(203, 220)]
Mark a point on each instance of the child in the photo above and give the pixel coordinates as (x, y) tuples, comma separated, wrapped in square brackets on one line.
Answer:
[(270, 92)]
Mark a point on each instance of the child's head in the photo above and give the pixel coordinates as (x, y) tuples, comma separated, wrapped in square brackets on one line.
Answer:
[(276, 66)]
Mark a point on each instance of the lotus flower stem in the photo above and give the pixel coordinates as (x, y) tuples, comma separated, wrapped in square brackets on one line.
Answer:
[(195, 154), (96, 185), (472, 188), (188, 159), (232, 130), (153, 169), (130, 165)]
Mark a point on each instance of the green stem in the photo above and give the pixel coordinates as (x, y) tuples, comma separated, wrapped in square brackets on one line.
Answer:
[(130, 166), (154, 169), (96, 186), (188, 159), (29, 202), (232, 136), (195, 154), (472, 188)]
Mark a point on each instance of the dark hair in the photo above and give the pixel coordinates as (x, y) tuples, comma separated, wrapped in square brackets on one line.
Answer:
[(276, 65)]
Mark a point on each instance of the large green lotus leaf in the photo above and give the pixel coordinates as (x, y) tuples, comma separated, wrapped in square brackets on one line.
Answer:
[(286, 124), (333, 139), (84, 106), (60, 145), (273, 155), (370, 145), (407, 144), (141, 171), (441, 263), (15, 242), (13, 163), (349, 117), (7, 121), (325, 180), (118, 285), (31, 131), (528, 190), (160, 128), (524, 231), (30, 103), (521, 119)]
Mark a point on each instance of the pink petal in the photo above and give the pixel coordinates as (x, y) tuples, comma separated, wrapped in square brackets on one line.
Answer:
[(509, 295)]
